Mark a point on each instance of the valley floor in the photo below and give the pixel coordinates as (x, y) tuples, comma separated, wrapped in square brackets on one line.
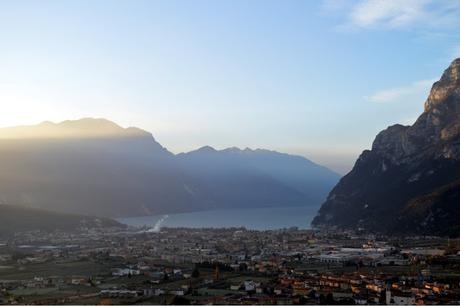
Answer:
[(226, 266)]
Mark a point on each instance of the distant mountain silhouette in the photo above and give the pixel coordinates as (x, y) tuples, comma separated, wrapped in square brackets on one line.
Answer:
[(94, 166), (102, 169), (82, 128), (250, 178), (410, 181)]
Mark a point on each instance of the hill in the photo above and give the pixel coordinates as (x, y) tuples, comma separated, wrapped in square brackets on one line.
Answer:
[(15, 219)]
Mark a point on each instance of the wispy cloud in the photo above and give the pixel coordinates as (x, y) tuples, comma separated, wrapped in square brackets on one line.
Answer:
[(391, 14), (401, 93)]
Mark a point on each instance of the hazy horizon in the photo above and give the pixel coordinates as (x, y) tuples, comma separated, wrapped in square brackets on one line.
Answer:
[(286, 76), (103, 127)]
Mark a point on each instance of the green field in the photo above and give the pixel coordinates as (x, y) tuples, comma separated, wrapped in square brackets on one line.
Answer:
[(73, 268)]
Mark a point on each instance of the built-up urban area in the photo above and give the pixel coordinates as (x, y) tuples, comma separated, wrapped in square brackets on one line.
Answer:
[(227, 266)]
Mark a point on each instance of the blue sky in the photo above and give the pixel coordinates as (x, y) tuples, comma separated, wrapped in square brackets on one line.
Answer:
[(315, 78)]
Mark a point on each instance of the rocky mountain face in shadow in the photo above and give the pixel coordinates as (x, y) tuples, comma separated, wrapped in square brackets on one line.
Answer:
[(409, 181), (95, 167)]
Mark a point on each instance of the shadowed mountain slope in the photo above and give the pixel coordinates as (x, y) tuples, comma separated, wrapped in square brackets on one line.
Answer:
[(102, 169), (240, 176), (408, 182), (93, 166), (19, 219)]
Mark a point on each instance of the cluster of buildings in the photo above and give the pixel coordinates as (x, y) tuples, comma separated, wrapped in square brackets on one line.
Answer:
[(227, 266)]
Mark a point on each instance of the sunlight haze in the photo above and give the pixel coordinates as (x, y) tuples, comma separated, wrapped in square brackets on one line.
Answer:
[(261, 74)]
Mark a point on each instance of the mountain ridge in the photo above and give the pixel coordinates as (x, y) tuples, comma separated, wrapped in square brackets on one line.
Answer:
[(95, 166), (81, 128)]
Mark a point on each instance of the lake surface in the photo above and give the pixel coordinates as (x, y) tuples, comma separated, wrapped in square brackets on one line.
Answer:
[(257, 219)]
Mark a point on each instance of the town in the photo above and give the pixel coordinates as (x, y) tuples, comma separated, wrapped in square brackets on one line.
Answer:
[(227, 266)]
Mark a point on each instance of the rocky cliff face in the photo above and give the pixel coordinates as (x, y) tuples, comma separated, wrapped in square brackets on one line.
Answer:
[(409, 181)]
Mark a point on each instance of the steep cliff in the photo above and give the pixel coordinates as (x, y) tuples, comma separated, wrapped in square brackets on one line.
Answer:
[(407, 182)]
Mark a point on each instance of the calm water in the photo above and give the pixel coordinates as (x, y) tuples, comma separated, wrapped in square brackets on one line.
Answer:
[(258, 219)]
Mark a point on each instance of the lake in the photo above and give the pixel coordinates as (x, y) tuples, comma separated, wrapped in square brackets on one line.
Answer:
[(257, 219)]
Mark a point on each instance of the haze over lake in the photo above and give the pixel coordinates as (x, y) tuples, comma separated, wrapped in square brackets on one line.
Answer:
[(256, 219)]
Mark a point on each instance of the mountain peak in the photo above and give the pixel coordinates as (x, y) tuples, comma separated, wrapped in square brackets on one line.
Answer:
[(232, 150), (81, 128), (90, 122), (453, 72), (206, 149), (409, 180), (448, 86)]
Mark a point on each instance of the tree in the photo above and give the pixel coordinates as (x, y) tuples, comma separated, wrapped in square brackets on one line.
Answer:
[(178, 300), (195, 273), (330, 299)]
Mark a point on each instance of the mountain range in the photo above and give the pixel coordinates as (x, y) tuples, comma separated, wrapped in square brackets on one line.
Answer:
[(95, 167), (409, 182)]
